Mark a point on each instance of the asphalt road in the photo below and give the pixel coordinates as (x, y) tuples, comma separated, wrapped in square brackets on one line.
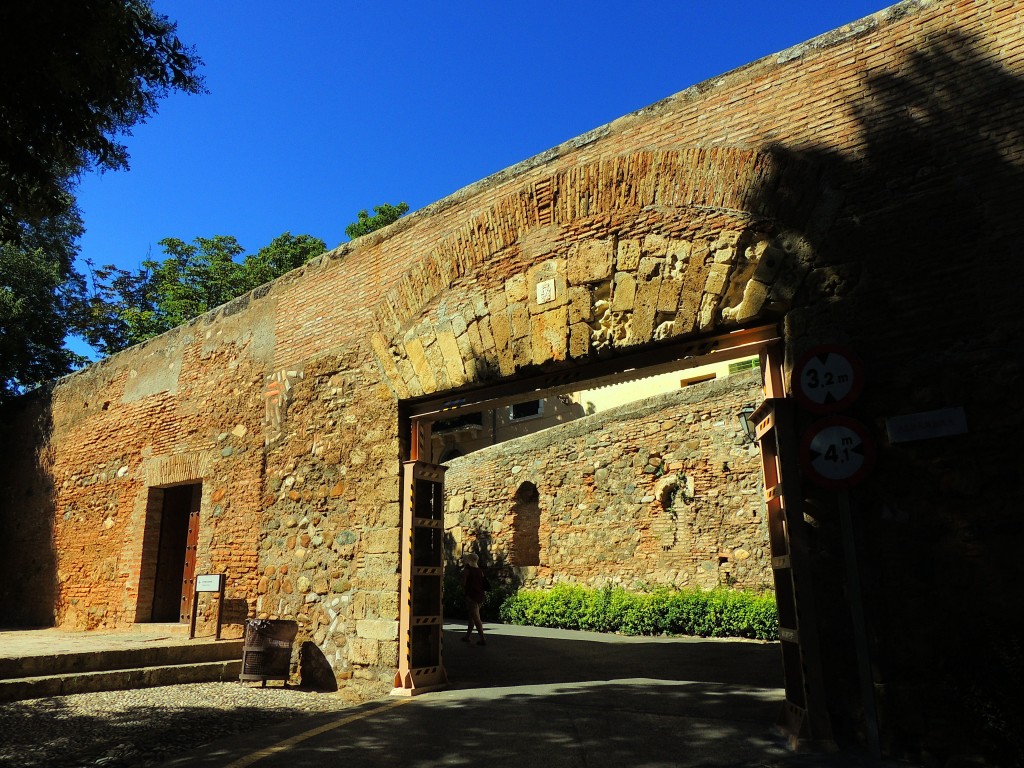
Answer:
[(535, 697)]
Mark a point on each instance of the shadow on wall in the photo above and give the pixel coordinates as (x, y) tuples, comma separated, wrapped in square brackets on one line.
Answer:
[(503, 579), (927, 226), (524, 548), (28, 562)]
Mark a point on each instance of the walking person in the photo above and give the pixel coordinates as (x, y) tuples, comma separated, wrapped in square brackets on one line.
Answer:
[(474, 585)]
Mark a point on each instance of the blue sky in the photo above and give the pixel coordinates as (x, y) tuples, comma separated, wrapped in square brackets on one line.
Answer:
[(319, 109)]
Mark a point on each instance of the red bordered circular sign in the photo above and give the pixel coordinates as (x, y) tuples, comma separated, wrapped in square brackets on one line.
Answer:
[(837, 452), (827, 379)]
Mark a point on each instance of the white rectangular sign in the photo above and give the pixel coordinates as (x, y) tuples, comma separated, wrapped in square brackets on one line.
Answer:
[(921, 426), (209, 582), (545, 291)]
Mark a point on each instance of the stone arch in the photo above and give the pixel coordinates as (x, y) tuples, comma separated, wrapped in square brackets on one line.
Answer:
[(674, 498), (450, 453), (611, 255), (524, 549)]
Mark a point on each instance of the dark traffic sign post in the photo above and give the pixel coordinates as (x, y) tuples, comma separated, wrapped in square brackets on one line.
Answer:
[(838, 453)]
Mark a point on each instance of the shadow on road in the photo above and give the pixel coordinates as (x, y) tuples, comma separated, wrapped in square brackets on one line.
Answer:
[(531, 655), (553, 698)]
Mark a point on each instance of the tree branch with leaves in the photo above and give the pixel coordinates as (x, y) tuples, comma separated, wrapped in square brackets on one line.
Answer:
[(382, 216)]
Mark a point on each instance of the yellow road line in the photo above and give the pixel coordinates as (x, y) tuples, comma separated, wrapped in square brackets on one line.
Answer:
[(300, 737)]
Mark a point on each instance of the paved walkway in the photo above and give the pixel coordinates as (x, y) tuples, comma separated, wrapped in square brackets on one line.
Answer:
[(19, 643), (536, 697), (530, 697)]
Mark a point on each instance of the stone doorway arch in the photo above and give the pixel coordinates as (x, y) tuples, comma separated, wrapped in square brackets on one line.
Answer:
[(600, 260), (524, 551), (804, 715), (621, 263)]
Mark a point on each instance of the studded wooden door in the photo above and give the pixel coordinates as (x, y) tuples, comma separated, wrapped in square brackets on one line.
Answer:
[(188, 576), (421, 666)]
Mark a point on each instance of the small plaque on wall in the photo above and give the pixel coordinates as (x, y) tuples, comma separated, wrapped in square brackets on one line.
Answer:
[(210, 582), (545, 291), (944, 422)]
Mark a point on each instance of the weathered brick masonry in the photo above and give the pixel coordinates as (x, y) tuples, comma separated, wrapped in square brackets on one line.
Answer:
[(666, 491), (863, 189)]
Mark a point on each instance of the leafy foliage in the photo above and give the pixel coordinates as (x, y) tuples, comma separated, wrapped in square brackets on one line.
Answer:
[(129, 306), (77, 74), (383, 215), (284, 253), (37, 298), (715, 613)]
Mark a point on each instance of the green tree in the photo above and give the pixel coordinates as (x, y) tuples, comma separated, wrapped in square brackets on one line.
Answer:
[(129, 306), (37, 298), (194, 279), (383, 215), (39, 301), (75, 76), (283, 254)]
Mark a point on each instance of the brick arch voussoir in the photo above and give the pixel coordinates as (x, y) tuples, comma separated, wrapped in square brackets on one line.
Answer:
[(608, 255)]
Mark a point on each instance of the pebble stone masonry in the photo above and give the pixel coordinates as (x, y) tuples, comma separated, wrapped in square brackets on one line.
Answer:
[(665, 491), (862, 189)]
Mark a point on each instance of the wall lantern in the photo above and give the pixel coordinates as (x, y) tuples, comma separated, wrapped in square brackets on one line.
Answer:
[(749, 427)]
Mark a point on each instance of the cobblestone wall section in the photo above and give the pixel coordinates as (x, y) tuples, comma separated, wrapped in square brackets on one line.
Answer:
[(665, 491), (329, 520)]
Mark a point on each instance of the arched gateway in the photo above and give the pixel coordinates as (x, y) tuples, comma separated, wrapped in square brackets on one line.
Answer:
[(629, 263), (856, 195)]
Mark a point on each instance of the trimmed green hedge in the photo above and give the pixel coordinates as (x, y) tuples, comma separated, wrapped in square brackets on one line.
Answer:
[(714, 613)]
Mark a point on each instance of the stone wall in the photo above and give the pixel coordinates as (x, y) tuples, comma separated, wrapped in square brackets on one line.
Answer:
[(664, 491)]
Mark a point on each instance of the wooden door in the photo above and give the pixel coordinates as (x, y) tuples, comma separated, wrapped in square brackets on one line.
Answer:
[(805, 716), (174, 579), (421, 666), (188, 576)]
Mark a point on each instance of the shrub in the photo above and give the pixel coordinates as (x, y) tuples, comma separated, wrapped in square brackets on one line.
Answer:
[(665, 611), (597, 613)]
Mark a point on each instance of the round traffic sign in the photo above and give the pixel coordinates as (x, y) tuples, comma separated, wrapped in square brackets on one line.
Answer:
[(827, 379), (837, 452)]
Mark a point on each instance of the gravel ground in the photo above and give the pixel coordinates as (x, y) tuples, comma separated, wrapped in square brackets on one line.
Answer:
[(145, 727)]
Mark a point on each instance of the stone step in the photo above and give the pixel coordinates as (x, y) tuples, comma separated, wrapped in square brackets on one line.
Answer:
[(176, 629), (39, 686), (165, 655)]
